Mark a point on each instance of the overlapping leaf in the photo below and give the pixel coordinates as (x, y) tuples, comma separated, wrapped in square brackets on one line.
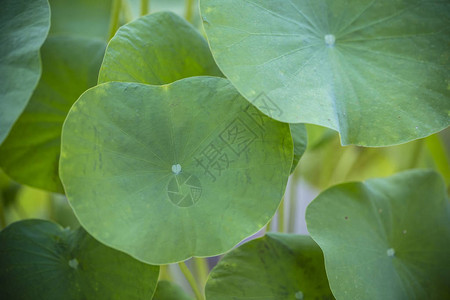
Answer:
[(277, 266), (169, 172), (376, 71), (39, 259), (30, 154), (24, 26), (385, 238), (157, 49)]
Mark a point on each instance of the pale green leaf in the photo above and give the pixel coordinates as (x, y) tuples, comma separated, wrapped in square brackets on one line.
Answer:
[(385, 238), (169, 172), (277, 266), (30, 154), (24, 26), (375, 71)]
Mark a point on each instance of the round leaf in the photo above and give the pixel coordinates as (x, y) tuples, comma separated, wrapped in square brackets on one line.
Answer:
[(157, 49), (385, 238), (376, 71), (30, 154), (169, 172), (277, 266), (24, 26), (39, 259)]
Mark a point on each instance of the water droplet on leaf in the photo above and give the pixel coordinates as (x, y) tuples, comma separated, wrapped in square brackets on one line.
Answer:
[(176, 169), (390, 252), (73, 263), (330, 40)]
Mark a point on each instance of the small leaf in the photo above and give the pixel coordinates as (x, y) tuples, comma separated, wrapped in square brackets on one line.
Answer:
[(39, 259), (277, 266), (157, 49), (24, 26), (375, 71), (385, 238)]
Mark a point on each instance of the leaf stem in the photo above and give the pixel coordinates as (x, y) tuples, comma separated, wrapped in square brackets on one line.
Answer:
[(144, 7), (189, 8), (201, 270), (164, 273), (114, 18), (281, 216), (190, 278)]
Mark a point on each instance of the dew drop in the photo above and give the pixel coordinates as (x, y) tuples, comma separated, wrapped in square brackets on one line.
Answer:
[(299, 295), (404, 231), (390, 252), (330, 40), (176, 169), (73, 263)]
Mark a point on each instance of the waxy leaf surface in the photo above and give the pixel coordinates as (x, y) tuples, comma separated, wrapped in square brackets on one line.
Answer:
[(167, 172), (376, 71), (157, 49), (385, 238), (41, 260), (24, 26), (30, 154), (277, 266)]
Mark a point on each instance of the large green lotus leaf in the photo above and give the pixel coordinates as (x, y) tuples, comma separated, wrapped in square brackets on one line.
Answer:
[(157, 49), (30, 154), (86, 18), (169, 172), (277, 266), (376, 71), (385, 238), (167, 290), (300, 139), (41, 260), (24, 26)]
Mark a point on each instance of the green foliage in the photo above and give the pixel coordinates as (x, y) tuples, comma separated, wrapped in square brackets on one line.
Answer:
[(277, 266), (137, 160), (24, 25), (157, 49), (385, 238), (30, 154), (174, 150), (340, 65), (41, 259)]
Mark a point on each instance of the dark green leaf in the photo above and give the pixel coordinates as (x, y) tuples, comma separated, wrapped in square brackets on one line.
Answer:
[(41, 260)]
